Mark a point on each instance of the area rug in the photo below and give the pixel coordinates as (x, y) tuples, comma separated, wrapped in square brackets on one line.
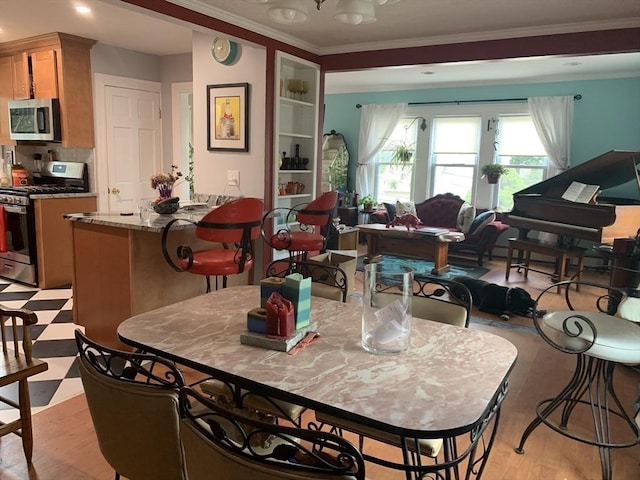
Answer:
[(424, 267)]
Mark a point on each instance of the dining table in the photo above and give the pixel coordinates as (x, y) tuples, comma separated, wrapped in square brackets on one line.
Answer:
[(448, 385)]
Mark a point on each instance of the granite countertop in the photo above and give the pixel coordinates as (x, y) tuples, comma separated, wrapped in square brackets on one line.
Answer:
[(133, 222)]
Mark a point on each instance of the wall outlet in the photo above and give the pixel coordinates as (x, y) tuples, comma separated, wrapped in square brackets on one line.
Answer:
[(233, 178)]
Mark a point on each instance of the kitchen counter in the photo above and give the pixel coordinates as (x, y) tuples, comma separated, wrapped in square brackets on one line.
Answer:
[(37, 196), (133, 222), (119, 270)]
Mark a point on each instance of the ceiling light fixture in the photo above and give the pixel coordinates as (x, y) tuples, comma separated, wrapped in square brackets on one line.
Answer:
[(352, 12), (289, 11)]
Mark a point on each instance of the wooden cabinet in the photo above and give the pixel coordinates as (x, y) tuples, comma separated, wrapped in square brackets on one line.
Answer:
[(54, 65), (6, 94), (296, 131), (35, 75), (20, 77), (53, 238)]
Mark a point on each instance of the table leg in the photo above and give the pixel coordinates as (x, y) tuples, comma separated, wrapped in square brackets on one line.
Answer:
[(440, 258)]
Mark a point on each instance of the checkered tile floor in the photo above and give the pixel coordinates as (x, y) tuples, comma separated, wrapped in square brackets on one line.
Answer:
[(53, 342)]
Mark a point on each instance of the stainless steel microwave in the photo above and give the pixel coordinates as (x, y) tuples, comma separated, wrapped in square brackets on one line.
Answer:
[(35, 119)]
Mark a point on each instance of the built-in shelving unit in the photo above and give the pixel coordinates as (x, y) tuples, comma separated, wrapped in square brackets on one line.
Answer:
[(296, 130)]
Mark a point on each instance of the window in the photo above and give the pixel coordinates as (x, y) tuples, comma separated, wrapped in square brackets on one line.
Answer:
[(395, 168), (520, 150), (454, 157), (448, 155)]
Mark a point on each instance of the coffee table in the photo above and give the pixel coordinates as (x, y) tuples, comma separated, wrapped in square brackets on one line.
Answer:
[(399, 240)]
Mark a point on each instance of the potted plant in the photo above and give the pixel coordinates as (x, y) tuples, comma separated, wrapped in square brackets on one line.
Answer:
[(367, 203), (401, 155), (493, 171)]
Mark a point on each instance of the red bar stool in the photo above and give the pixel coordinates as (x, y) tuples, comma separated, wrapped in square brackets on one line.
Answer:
[(302, 228), (235, 225)]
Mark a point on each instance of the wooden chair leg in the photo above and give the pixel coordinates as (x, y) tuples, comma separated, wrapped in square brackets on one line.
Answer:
[(25, 416), (509, 258)]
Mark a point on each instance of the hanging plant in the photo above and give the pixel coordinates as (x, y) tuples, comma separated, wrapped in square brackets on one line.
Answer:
[(401, 155), (493, 171)]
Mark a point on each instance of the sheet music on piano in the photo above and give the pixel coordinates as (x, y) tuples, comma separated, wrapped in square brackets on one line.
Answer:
[(581, 192)]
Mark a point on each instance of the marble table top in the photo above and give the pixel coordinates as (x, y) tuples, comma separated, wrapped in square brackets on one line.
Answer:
[(444, 384)]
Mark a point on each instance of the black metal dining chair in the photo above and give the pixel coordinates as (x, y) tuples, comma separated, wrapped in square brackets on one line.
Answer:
[(228, 444)]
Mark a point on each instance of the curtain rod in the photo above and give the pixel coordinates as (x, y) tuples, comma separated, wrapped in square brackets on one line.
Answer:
[(458, 102)]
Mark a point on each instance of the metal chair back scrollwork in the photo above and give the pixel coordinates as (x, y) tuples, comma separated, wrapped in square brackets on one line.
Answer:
[(327, 281), (133, 402), (216, 439)]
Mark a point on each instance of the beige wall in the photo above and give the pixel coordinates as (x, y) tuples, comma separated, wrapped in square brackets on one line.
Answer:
[(211, 167)]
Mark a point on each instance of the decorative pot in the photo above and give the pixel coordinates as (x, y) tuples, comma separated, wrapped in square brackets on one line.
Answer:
[(166, 208), (493, 178)]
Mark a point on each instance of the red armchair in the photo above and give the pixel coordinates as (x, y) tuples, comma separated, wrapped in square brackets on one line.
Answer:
[(443, 211)]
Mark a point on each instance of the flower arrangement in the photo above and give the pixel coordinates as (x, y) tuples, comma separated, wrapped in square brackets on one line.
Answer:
[(164, 182)]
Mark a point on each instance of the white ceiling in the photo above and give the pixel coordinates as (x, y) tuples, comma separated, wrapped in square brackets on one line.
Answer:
[(407, 23)]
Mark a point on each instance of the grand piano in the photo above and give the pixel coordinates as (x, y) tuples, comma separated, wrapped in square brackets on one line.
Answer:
[(541, 206)]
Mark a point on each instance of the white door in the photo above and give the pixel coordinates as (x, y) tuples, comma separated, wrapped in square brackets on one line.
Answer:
[(133, 142)]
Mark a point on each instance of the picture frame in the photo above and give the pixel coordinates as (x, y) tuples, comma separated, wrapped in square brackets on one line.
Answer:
[(228, 117)]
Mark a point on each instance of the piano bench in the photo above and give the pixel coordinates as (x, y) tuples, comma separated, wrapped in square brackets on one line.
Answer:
[(563, 257)]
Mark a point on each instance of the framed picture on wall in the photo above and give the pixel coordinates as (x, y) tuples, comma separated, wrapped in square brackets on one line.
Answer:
[(228, 117)]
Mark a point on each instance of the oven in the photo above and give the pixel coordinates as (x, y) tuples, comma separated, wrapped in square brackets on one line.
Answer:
[(18, 250), (18, 255)]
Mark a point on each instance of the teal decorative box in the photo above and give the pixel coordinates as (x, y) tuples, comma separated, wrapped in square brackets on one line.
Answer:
[(298, 290), (257, 320), (268, 286)]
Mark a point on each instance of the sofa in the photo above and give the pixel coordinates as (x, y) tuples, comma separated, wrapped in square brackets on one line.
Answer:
[(481, 229)]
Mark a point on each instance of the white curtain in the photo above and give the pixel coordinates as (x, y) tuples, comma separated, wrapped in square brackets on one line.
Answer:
[(553, 117), (376, 125)]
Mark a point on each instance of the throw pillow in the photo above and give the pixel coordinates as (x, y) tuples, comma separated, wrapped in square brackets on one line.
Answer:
[(391, 209), (465, 217), (405, 207), (481, 221)]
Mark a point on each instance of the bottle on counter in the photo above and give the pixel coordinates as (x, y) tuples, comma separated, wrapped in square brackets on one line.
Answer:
[(4, 174)]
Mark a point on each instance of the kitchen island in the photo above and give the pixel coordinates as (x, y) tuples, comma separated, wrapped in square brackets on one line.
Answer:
[(119, 270)]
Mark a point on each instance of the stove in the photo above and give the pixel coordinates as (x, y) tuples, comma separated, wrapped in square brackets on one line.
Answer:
[(18, 255)]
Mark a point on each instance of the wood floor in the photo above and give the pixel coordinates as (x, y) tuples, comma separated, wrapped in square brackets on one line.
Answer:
[(66, 448)]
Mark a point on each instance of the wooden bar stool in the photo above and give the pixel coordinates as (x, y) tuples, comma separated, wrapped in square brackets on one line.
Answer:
[(563, 258)]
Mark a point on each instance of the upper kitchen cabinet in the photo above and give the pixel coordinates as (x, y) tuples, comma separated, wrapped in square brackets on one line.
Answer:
[(35, 75), (6, 94), (55, 65)]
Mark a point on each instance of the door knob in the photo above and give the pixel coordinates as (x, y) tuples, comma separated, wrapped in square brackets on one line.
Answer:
[(115, 191)]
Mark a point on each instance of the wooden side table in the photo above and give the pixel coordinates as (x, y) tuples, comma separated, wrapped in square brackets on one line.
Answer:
[(348, 238)]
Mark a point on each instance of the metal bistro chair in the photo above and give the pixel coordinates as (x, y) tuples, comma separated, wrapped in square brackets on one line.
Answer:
[(227, 444), (133, 401), (300, 229), (443, 301), (600, 338), (235, 223), (16, 366), (327, 281)]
